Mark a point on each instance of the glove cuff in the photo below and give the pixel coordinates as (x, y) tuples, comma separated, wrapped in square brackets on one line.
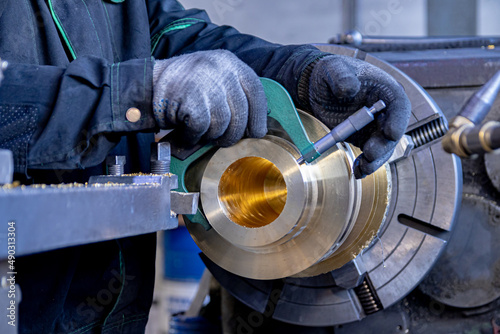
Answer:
[(304, 80), (160, 103), (159, 66)]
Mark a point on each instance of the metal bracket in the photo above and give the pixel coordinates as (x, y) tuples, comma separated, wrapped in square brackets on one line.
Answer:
[(179, 168), (108, 207)]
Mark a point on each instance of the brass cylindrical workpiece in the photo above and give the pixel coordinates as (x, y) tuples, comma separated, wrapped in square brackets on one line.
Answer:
[(273, 218)]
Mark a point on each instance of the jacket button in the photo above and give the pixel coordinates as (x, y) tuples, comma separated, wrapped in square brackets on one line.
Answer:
[(133, 115)]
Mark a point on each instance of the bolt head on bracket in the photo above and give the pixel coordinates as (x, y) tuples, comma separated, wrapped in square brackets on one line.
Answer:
[(160, 152), (116, 160)]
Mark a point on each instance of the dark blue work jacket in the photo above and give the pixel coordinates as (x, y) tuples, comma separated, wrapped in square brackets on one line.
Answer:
[(75, 68)]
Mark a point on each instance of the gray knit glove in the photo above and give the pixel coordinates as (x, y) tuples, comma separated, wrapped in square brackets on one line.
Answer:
[(336, 86), (209, 94)]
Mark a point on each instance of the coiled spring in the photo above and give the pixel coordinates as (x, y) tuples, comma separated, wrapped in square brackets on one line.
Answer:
[(367, 298), (429, 132)]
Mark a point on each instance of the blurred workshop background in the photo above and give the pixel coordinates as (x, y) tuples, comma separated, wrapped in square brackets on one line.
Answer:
[(316, 21)]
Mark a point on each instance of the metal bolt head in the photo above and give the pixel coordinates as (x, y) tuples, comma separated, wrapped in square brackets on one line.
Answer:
[(160, 152), (160, 158), (116, 160)]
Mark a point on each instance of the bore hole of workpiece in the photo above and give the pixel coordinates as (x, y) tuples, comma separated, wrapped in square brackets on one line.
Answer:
[(252, 192)]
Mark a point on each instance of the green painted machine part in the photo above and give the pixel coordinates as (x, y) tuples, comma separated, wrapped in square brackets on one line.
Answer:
[(282, 109)]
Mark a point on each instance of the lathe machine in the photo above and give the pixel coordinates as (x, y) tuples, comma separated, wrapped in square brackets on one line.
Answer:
[(304, 246)]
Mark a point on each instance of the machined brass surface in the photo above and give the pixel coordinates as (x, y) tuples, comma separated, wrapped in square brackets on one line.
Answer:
[(273, 218), (253, 192)]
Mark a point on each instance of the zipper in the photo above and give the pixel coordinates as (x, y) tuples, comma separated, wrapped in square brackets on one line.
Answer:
[(61, 30)]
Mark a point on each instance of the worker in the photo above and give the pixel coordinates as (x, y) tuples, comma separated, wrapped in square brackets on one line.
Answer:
[(91, 78)]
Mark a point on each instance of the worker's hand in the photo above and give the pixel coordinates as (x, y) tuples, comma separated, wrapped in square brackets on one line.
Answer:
[(340, 85), (209, 94)]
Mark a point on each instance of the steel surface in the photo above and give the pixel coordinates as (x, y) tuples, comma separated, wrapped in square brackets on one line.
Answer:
[(51, 217)]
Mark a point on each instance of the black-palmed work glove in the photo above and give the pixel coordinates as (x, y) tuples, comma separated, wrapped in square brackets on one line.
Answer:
[(336, 86), (209, 94)]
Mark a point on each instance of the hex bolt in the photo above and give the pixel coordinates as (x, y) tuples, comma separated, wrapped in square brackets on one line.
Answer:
[(160, 158), (116, 164)]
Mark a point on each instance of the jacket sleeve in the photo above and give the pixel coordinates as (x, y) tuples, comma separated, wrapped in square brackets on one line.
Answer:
[(175, 31), (70, 117)]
